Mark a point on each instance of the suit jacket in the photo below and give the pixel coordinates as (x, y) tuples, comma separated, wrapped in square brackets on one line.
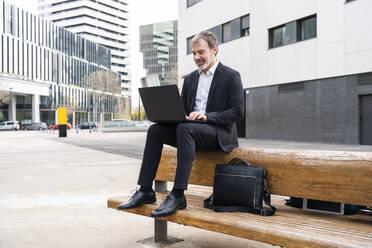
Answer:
[(225, 104)]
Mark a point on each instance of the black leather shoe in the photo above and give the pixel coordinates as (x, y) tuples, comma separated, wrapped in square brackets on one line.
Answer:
[(138, 199), (169, 206)]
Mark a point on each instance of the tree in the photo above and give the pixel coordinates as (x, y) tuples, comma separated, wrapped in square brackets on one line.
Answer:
[(103, 85), (135, 114)]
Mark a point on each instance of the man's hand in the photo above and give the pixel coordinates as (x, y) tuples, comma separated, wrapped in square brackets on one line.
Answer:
[(197, 116)]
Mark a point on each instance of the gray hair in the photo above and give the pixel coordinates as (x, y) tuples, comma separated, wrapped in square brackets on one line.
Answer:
[(207, 37)]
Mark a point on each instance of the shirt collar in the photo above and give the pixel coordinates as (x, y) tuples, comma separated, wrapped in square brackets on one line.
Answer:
[(212, 69)]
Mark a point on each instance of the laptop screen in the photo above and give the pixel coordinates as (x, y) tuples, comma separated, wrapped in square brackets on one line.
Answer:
[(163, 103)]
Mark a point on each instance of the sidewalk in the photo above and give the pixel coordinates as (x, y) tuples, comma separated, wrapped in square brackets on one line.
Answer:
[(132, 143), (53, 194)]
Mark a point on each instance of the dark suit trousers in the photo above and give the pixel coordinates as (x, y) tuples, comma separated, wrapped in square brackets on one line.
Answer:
[(187, 137)]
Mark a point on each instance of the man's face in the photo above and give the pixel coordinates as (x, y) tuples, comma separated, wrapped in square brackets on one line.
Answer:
[(203, 54)]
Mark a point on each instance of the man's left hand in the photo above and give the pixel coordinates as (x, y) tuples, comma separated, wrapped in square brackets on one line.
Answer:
[(197, 116)]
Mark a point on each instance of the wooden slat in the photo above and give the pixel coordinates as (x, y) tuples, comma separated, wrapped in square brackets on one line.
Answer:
[(289, 227), (321, 175)]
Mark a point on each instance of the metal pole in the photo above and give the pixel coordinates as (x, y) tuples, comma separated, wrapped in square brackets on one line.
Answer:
[(139, 108), (160, 226), (10, 105)]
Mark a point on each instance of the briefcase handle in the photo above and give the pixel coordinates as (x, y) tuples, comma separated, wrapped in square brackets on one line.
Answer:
[(239, 161)]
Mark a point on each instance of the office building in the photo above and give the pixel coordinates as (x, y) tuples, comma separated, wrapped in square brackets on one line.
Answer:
[(44, 66), (306, 66), (158, 43), (105, 22)]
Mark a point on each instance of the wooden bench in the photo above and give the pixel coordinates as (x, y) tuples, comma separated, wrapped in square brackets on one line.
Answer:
[(329, 176)]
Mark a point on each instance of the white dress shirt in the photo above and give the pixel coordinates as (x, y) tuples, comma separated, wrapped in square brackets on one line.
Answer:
[(205, 81)]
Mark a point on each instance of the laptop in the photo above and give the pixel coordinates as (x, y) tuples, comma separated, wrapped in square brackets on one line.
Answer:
[(164, 104)]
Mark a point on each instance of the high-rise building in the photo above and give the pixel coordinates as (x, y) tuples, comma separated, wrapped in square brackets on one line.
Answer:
[(44, 67), (102, 21), (158, 43), (306, 66)]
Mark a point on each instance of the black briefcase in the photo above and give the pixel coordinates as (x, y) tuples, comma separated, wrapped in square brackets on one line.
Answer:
[(240, 187)]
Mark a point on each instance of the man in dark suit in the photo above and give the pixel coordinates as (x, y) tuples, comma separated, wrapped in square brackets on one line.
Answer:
[(212, 94)]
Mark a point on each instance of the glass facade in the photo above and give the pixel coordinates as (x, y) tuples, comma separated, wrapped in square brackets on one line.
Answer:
[(104, 21), (158, 43), (77, 70)]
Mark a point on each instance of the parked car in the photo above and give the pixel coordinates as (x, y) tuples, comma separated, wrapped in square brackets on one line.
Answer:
[(55, 127), (24, 123), (9, 125), (88, 125), (35, 126)]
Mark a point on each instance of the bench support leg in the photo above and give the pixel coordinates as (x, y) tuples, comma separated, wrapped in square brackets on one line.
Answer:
[(161, 230), (160, 186)]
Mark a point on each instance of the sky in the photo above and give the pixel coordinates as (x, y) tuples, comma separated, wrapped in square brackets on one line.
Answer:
[(141, 12)]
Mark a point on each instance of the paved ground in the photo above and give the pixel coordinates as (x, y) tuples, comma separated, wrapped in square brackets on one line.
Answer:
[(53, 191), (131, 144), (53, 194)]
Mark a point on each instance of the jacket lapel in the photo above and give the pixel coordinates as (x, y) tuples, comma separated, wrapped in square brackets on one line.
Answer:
[(194, 89), (215, 81)]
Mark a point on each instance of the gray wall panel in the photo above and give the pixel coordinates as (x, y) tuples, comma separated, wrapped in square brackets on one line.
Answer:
[(313, 111)]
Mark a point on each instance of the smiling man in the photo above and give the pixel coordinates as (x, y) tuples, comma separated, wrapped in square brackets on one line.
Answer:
[(213, 94)]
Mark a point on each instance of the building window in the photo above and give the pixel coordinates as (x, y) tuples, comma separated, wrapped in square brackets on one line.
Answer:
[(188, 43), (277, 36), (306, 28), (226, 32), (232, 30), (192, 2), (217, 31), (292, 32), (244, 26)]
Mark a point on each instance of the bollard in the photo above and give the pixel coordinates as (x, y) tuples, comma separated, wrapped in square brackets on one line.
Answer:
[(62, 130), (62, 122)]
